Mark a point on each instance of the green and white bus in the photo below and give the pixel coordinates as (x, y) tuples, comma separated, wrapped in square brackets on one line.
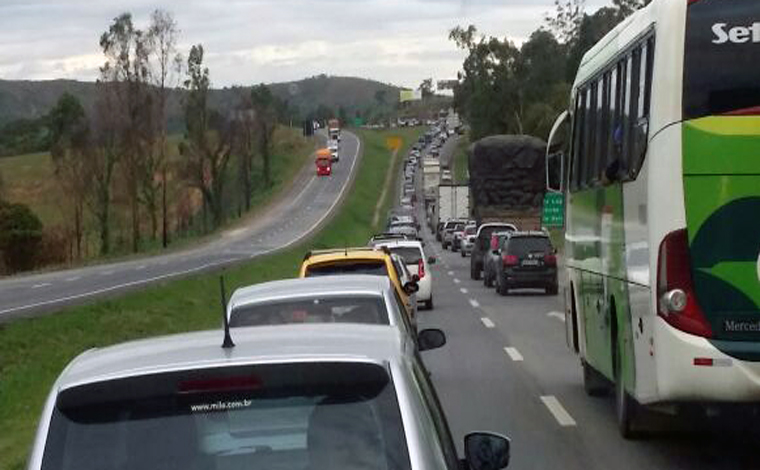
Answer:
[(661, 176)]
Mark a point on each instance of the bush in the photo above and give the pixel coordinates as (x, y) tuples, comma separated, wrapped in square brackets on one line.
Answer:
[(20, 236)]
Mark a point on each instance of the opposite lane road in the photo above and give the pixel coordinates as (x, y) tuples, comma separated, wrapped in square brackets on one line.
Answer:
[(298, 214)]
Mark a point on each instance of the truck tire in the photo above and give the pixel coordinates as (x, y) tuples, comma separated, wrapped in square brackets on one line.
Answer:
[(594, 384), (474, 271), (501, 286)]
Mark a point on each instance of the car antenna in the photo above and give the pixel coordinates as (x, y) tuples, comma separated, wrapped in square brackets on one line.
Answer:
[(228, 343)]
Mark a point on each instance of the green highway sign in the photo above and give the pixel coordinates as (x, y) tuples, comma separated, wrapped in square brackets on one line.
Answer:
[(554, 210)]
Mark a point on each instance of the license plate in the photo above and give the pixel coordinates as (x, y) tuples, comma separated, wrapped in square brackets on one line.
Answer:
[(530, 262)]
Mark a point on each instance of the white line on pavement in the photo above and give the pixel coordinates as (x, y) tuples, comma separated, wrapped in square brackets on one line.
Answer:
[(474, 303), (456, 281), (44, 284), (106, 273), (72, 279), (487, 322), (463, 290), (142, 266), (451, 273), (558, 411), (558, 315), (514, 354)]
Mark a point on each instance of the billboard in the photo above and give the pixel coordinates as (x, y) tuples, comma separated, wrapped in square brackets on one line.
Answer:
[(409, 95)]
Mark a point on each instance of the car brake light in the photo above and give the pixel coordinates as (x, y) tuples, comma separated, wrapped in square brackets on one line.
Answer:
[(421, 268), (510, 260), (550, 260), (227, 384), (676, 300)]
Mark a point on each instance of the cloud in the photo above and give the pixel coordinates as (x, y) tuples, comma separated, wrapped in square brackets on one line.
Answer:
[(251, 41)]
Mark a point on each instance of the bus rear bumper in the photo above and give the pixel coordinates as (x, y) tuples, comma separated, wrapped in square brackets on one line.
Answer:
[(691, 369)]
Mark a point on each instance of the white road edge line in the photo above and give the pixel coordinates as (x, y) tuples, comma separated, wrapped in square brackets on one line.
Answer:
[(514, 354), (558, 315), (474, 303), (487, 322), (197, 268), (72, 279), (44, 284), (463, 290), (558, 411)]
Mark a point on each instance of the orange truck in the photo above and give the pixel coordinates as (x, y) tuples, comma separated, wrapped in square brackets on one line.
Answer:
[(324, 162)]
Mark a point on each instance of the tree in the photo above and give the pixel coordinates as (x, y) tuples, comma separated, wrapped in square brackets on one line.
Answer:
[(69, 129), (426, 88), (20, 236), (380, 97), (626, 7), (127, 66), (566, 21), (265, 125), (163, 34), (209, 138)]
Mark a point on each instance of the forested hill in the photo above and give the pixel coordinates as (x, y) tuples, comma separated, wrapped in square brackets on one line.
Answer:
[(33, 99)]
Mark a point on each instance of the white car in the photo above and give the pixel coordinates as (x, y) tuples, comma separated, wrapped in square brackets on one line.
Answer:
[(332, 145), (417, 264)]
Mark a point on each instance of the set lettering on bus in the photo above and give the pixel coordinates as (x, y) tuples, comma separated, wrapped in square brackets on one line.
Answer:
[(737, 34)]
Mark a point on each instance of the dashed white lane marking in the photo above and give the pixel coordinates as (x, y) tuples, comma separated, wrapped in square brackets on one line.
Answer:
[(558, 315), (474, 303), (106, 273), (142, 266), (558, 411), (44, 284), (450, 273), (72, 279), (487, 322), (513, 354), (463, 290), (456, 281)]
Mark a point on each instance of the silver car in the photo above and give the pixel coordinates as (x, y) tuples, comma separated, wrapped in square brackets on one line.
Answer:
[(307, 396), (334, 299)]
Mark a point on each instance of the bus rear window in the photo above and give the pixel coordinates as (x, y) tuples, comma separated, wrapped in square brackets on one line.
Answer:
[(721, 75)]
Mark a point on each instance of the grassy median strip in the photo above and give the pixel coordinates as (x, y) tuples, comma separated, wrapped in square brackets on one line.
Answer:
[(461, 165), (33, 352)]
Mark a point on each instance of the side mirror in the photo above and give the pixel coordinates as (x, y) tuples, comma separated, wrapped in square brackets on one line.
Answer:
[(432, 260), (411, 287), (486, 451), (430, 339)]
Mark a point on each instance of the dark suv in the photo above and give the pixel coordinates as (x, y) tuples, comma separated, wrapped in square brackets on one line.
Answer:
[(528, 260), (482, 242)]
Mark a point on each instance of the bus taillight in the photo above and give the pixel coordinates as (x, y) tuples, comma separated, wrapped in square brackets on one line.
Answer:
[(676, 299)]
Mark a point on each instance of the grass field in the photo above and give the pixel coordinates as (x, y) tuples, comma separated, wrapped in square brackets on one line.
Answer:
[(30, 179), (461, 174), (33, 352)]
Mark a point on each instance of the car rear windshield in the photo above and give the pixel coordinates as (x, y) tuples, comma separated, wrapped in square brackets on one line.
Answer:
[(521, 246), (722, 52), (470, 230), (292, 416), (375, 268), (332, 309), (410, 254)]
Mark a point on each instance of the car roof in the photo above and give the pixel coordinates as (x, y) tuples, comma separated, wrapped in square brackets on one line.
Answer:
[(261, 344), (401, 243), (348, 254), (311, 286)]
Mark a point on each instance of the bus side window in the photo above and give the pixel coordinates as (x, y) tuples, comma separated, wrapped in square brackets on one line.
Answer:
[(613, 116), (641, 125), (603, 121), (578, 124), (634, 72), (587, 157)]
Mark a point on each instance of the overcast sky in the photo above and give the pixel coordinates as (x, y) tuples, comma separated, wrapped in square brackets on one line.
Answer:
[(251, 41)]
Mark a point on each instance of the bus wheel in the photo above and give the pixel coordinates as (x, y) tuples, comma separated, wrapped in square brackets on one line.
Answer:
[(625, 406), (594, 383)]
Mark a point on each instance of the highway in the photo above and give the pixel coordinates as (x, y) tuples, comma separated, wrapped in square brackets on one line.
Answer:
[(297, 214)]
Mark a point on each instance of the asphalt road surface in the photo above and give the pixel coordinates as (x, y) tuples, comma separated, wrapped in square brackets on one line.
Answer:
[(298, 214)]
